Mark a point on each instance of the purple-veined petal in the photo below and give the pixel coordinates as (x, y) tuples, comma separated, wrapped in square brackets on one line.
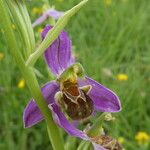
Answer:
[(104, 99), (58, 56), (39, 20), (48, 13), (62, 121), (32, 114), (54, 13)]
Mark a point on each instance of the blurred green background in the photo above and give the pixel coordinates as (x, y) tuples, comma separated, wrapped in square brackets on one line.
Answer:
[(110, 38)]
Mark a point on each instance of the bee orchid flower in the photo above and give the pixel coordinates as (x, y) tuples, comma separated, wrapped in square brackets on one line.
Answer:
[(72, 94)]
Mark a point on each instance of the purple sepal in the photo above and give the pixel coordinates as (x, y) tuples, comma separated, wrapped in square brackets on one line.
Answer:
[(62, 121), (58, 55), (32, 114), (104, 99), (48, 13)]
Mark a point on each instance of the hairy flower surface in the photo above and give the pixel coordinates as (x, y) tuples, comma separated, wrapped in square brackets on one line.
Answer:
[(70, 94)]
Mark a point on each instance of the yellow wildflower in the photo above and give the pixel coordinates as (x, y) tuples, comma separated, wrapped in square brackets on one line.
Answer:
[(142, 137), (1, 56), (122, 77), (21, 83), (36, 10), (40, 30), (107, 2), (13, 26), (121, 140)]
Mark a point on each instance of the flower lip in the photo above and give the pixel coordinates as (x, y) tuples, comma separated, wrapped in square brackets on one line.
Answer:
[(75, 101), (80, 110)]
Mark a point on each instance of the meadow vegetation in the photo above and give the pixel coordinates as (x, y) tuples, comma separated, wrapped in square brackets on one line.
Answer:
[(111, 40)]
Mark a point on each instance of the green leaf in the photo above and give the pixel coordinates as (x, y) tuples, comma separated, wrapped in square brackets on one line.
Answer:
[(54, 33)]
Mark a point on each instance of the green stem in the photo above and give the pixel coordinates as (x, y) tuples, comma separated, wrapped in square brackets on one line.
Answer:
[(30, 78), (53, 130), (96, 129), (53, 34)]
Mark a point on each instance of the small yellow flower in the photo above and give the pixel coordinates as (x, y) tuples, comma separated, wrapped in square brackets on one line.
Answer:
[(13, 26), (40, 30), (1, 56), (21, 83), (107, 2), (36, 10), (122, 77), (142, 137), (121, 140)]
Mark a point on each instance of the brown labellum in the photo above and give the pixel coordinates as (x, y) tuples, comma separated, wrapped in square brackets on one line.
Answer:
[(107, 142), (75, 101)]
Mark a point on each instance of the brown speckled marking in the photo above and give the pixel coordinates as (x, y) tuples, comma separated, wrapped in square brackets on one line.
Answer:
[(77, 104), (80, 110)]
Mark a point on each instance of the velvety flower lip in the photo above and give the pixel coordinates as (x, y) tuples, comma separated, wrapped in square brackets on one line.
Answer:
[(48, 13), (58, 56)]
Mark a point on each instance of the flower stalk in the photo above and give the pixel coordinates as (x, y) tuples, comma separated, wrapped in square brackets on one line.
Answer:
[(97, 128), (30, 78), (53, 34)]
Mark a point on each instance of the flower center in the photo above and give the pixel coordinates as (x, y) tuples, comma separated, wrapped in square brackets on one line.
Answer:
[(75, 101)]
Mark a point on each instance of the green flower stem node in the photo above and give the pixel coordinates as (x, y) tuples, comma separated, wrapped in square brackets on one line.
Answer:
[(53, 34), (72, 73), (97, 128)]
